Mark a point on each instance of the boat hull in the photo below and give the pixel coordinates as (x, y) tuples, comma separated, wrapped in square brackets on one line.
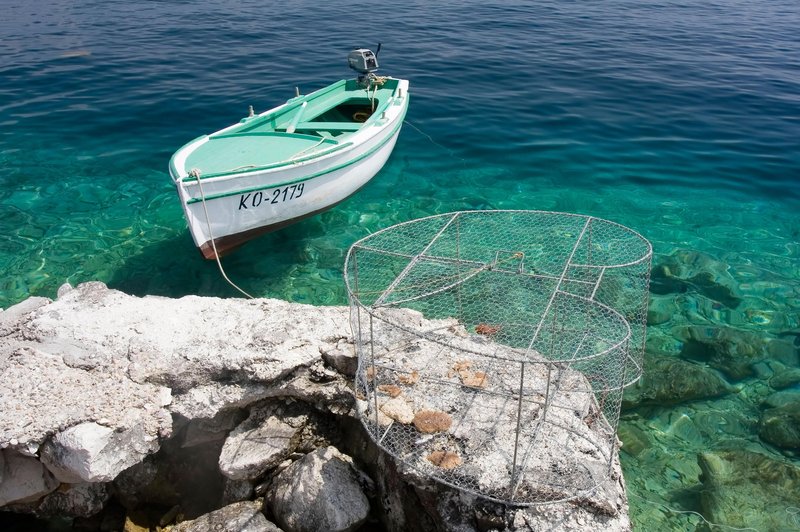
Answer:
[(240, 218), (224, 212)]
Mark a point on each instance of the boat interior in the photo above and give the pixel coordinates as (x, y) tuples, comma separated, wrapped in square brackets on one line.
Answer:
[(306, 126), (332, 112)]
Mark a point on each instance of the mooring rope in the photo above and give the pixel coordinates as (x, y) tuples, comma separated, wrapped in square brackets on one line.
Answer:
[(374, 82), (450, 152), (196, 174)]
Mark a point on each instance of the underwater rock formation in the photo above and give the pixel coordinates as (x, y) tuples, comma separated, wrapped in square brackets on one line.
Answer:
[(747, 489), (670, 380), (734, 351), (689, 270), (729, 350), (780, 420), (784, 377)]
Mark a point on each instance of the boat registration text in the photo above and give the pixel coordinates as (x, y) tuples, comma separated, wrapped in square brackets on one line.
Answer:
[(271, 196)]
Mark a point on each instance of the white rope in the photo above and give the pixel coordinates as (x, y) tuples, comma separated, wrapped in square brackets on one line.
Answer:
[(196, 173), (296, 155), (374, 82)]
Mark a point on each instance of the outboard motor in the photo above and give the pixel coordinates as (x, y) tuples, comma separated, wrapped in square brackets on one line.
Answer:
[(363, 61)]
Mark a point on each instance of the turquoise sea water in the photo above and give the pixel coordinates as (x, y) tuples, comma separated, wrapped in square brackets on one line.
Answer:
[(677, 118)]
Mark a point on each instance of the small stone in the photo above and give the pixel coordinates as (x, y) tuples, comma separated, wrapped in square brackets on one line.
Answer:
[(487, 329), (398, 409), (409, 379), (25, 479), (320, 374), (477, 379), (259, 443), (432, 421), (392, 390), (444, 459)]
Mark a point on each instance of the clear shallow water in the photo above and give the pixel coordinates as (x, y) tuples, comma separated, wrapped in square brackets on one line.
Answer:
[(680, 119)]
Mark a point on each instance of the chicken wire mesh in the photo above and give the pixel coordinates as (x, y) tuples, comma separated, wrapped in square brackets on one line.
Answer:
[(493, 347)]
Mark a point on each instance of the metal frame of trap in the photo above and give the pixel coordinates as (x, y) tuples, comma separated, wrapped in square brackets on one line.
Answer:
[(622, 354)]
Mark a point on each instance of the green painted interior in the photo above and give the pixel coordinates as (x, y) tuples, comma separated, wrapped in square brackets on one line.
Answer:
[(329, 117)]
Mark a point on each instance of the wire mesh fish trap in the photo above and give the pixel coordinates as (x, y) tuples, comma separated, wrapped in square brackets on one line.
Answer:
[(494, 346)]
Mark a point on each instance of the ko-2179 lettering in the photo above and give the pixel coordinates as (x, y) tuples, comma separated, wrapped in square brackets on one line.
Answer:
[(270, 197)]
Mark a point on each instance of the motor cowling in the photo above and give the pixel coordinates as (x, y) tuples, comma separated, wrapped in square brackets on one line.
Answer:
[(363, 61)]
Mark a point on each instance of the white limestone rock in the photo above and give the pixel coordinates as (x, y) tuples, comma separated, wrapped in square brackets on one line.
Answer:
[(198, 356), (238, 517), (111, 362), (258, 445), (41, 395), (24, 479), (94, 453), (64, 289), (210, 400), (10, 318), (320, 492)]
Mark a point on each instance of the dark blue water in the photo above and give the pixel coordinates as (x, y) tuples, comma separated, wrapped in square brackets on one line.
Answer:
[(680, 119)]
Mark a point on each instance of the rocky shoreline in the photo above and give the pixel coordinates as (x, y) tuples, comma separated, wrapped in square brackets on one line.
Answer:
[(204, 414)]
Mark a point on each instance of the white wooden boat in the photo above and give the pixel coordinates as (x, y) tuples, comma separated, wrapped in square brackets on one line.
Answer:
[(291, 162)]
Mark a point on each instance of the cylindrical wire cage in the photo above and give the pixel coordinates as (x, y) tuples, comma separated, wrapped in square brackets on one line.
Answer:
[(494, 346)]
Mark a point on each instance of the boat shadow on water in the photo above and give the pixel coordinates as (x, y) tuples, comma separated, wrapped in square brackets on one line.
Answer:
[(173, 268)]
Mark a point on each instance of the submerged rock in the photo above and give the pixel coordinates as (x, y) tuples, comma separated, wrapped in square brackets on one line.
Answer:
[(669, 380), (783, 398), (780, 423), (785, 377), (634, 440), (660, 310), (320, 492), (688, 270), (729, 350), (746, 489)]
